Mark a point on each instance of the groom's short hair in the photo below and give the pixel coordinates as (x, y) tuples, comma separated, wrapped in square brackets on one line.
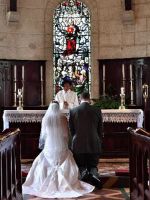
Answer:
[(85, 95)]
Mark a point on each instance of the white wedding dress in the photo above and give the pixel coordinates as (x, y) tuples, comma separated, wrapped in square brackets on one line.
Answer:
[(54, 173)]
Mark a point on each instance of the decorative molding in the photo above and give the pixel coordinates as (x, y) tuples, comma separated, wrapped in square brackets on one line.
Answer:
[(128, 17), (12, 17)]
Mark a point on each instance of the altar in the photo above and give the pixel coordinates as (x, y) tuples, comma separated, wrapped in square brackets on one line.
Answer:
[(115, 141)]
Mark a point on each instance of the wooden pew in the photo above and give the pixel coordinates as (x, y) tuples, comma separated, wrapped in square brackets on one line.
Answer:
[(10, 165), (139, 164)]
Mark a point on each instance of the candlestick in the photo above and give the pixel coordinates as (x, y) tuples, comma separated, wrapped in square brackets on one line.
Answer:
[(15, 85), (20, 99), (145, 96), (104, 80), (123, 76), (103, 72), (122, 95), (131, 84), (22, 72), (130, 71), (145, 91), (122, 90), (15, 73), (19, 91), (41, 72), (123, 72), (22, 85), (42, 85)]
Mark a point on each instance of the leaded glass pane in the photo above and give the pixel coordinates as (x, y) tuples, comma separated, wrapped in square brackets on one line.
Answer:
[(72, 45)]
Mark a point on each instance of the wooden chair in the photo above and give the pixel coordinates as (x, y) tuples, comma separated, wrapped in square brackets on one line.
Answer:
[(10, 165), (139, 164)]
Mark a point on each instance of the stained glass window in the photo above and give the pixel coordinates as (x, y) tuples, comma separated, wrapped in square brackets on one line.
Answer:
[(71, 31)]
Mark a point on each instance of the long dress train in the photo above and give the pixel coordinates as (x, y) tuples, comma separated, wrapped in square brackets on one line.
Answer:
[(54, 173)]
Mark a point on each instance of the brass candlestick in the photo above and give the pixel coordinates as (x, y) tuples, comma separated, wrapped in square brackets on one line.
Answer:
[(145, 92), (122, 95), (145, 96), (20, 96), (42, 86), (15, 85)]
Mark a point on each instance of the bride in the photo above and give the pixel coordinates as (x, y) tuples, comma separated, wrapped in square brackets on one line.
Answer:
[(54, 173)]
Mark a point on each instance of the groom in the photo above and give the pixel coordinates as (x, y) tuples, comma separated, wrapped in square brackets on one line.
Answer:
[(85, 123)]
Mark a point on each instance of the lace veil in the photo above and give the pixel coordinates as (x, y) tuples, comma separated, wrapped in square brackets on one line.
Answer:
[(53, 129)]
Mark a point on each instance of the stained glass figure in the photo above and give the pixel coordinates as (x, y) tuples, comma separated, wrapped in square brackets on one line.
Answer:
[(71, 25)]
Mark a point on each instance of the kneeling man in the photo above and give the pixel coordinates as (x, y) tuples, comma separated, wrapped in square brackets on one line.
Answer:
[(85, 123)]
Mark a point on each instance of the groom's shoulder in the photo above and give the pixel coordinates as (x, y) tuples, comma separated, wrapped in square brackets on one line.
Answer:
[(95, 109), (75, 109)]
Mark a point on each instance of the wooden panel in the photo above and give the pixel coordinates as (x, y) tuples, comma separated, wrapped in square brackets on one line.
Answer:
[(32, 83), (32, 80), (5, 84), (139, 164), (30, 133), (116, 139), (115, 142), (147, 119), (10, 166), (141, 74), (1, 88), (114, 79)]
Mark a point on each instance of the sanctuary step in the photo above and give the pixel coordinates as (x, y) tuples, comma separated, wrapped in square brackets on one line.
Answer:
[(114, 172), (114, 186), (103, 194)]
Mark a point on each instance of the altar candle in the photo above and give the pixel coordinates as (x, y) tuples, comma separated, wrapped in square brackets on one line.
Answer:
[(15, 72), (103, 72), (123, 72), (41, 69), (122, 90), (131, 96), (147, 90), (130, 72), (23, 73)]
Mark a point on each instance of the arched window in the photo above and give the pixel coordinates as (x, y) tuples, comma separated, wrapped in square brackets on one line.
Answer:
[(72, 45)]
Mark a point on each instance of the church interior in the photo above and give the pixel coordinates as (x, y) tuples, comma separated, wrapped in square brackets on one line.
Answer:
[(103, 46)]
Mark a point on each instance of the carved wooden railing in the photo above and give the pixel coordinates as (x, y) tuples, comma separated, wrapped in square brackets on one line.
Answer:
[(10, 165), (139, 164)]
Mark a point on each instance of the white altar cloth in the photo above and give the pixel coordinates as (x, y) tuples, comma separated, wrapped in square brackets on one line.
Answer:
[(109, 115), (124, 116)]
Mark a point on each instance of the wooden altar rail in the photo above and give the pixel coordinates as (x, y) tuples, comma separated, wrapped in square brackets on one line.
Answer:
[(139, 164), (10, 165)]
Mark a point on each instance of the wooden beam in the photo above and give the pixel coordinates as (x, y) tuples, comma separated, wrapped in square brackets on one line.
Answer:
[(13, 5), (128, 4)]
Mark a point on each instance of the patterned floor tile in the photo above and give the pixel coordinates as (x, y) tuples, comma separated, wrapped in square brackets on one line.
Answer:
[(103, 194)]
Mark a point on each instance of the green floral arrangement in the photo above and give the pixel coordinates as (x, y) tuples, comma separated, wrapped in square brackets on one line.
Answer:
[(107, 102)]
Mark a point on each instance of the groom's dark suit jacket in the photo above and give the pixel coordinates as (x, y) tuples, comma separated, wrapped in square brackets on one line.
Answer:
[(85, 123)]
